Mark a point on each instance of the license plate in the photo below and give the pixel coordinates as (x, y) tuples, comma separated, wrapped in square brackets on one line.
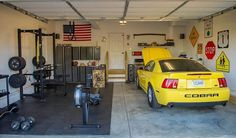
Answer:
[(197, 83)]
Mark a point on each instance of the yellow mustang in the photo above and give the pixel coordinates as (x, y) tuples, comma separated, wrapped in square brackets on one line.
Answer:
[(179, 82)]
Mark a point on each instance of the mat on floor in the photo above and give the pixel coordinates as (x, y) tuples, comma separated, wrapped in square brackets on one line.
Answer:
[(55, 116)]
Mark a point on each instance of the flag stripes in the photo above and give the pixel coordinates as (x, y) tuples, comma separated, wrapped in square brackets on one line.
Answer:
[(82, 32)]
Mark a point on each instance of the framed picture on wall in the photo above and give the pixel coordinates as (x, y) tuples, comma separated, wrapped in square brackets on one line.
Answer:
[(223, 39)]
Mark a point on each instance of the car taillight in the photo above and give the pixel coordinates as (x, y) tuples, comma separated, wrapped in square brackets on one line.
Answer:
[(222, 82), (170, 83)]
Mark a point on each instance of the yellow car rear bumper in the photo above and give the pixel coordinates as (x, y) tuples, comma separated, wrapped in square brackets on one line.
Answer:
[(194, 97)]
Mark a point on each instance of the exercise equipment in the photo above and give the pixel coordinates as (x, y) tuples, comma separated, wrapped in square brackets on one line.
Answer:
[(25, 125), (21, 119), (31, 120), (12, 108), (82, 98), (36, 64), (17, 80), (15, 125), (16, 63), (39, 61)]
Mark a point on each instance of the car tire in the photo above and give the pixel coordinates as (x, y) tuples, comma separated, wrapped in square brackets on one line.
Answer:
[(152, 100), (137, 83)]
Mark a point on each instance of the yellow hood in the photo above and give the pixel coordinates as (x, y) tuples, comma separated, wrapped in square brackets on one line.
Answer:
[(152, 53)]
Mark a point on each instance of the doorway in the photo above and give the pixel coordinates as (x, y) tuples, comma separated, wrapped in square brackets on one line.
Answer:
[(116, 51)]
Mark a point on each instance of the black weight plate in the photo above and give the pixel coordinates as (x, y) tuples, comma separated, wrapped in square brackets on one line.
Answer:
[(36, 74), (23, 62), (16, 63), (34, 61), (17, 80)]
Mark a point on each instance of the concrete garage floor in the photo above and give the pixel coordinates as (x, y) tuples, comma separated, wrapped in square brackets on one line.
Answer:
[(132, 118)]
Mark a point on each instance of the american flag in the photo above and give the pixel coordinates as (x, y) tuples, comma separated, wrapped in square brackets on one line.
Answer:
[(78, 32)]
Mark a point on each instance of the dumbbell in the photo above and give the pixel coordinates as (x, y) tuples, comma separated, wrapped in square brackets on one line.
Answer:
[(28, 123), (15, 125)]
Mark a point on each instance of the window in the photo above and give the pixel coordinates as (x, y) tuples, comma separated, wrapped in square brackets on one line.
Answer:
[(150, 66), (181, 65)]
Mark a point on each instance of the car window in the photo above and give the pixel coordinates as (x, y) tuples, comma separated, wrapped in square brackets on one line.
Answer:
[(150, 66), (146, 68), (180, 65)]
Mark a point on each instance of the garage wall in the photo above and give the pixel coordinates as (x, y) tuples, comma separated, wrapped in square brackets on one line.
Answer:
[(129, 29), (10, 21), (223, 22)]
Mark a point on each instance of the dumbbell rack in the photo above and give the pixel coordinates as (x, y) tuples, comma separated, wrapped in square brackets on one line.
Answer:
[(5, 93)]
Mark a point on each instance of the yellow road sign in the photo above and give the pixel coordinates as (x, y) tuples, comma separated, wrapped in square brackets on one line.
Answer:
[(193, 37), (223, 63)]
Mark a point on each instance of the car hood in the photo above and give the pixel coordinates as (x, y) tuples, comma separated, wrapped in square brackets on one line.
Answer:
[(152, 53)]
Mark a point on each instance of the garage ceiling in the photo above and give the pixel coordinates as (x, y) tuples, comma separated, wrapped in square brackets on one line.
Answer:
[(137, 10)]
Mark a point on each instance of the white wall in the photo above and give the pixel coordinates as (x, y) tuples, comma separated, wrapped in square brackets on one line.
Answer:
[(223, 22), (130, 28), (10, 21)]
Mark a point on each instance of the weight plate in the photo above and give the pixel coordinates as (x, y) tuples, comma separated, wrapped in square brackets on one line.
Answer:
[(17, 80), (16, 63), (36, 74), (25, 125), (34, 61), (15, 125)]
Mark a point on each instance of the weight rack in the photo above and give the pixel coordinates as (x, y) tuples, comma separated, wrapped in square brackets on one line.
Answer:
[(38, 43), (5, 93)]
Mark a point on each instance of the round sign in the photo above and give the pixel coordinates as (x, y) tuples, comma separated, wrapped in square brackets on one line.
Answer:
[(210, 50)]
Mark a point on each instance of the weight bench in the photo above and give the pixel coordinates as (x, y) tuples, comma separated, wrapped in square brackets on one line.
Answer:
[(49, 83)]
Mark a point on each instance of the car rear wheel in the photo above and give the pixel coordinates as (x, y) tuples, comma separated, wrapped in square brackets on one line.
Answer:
[(137, 83), (152, 100)]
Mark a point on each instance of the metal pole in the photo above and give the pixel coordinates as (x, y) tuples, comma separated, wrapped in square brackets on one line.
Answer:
[(36, 45), (20, 55), (54, 52), (41, 64), (8, 100)]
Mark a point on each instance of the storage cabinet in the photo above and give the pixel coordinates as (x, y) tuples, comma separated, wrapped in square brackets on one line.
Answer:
[(88, 53), (83, 53), (82, 74), (64, 57), (68, 63), (63, 63), (97, 53), (76, 53)]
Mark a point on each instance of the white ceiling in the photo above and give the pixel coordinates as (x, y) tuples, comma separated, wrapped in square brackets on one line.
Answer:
[(113, 9)]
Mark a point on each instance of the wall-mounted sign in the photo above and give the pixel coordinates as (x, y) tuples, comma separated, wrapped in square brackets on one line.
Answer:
[(210, 50), (137, 53), (208, 28), (223, 39), (223, 63), (199, 48), (193, 37)]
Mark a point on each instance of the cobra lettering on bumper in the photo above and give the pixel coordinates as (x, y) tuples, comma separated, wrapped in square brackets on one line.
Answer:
[(201, 95)]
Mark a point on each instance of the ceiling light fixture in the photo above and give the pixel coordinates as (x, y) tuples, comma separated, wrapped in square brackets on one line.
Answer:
[(123, 22)]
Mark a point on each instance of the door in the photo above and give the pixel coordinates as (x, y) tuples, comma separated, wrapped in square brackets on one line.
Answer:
[(116, 51), (147, 74)]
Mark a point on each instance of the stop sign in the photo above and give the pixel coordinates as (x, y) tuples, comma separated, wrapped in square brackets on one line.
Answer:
[(210, 50)]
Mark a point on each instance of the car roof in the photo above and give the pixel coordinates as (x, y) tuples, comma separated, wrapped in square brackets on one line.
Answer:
[(158, 59)]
